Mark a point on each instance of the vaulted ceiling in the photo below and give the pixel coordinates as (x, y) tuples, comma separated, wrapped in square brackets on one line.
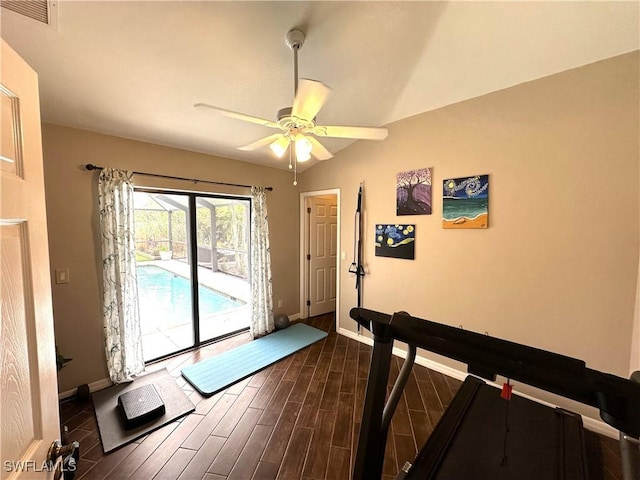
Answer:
[(135, 69)]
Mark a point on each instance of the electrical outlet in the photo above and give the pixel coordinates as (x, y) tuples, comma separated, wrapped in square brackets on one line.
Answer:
[(279, 303)]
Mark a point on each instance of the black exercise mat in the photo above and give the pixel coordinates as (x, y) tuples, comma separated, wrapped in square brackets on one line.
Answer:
[(111, 424)]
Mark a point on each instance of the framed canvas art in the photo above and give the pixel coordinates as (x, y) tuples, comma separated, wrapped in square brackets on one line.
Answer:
[(413, 192), (465, 202), (396, 241)]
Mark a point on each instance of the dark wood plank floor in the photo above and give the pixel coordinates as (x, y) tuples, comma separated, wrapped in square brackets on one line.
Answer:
[(298, 419)]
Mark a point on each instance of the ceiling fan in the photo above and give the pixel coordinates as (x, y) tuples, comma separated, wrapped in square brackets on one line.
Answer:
[(297, 124)]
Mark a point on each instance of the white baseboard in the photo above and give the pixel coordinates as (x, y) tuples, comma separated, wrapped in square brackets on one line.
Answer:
[(93, 387), (589, 423), (294, 317)]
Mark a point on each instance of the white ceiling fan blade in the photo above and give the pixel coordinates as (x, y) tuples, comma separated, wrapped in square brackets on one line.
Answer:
[(310, 98), (364, 133), (318, 150), (261, 143), (238, 115)]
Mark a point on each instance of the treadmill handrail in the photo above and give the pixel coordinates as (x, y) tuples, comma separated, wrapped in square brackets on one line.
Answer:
[(618, 399)]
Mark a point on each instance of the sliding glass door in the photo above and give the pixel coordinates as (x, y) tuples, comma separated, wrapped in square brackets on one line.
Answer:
[(223, 273), (192, 264)]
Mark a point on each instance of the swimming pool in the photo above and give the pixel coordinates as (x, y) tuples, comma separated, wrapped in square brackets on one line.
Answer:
[(165, 298)]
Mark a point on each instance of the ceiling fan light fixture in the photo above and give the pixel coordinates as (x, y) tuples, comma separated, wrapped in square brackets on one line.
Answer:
[(300, 119), (279, 147), (303, 148)]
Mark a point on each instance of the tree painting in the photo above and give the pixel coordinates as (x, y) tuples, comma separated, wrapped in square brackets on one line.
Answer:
[(413, 192)]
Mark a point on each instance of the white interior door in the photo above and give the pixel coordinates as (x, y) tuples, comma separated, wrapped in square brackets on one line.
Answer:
[(28, 379), (322, 254)]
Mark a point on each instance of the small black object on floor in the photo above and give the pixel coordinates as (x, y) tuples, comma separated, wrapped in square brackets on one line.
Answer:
[(116, 431), (140, 405)]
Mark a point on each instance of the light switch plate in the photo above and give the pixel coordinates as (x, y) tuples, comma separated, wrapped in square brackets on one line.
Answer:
[(62, 275)]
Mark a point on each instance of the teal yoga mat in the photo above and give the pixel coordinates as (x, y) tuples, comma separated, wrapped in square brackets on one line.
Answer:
[(216, 373)]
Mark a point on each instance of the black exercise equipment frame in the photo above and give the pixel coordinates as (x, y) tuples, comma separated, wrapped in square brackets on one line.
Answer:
[(618, 399), (356, 267)]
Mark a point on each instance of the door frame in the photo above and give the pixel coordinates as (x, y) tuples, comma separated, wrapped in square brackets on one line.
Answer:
[(303, 243)]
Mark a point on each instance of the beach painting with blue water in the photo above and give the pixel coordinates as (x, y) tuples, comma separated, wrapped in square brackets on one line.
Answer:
[(465, 202)]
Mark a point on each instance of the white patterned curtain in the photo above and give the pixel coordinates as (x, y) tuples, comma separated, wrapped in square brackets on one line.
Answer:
[(261, 292), (120, 311)]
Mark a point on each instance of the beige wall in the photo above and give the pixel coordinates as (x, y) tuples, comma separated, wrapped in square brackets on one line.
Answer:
[(557, 267), (71, 194)]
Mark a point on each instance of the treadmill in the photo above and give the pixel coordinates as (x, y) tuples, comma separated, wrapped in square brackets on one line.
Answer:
[(487, 433)]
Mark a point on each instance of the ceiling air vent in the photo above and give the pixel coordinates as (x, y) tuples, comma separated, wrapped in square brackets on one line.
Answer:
[(35, 9)]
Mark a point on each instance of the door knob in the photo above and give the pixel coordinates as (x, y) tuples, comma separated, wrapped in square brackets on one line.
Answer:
[(70, 454)]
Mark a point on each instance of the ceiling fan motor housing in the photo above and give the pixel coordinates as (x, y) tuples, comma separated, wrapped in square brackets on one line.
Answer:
[(290, 122), (294, 39)]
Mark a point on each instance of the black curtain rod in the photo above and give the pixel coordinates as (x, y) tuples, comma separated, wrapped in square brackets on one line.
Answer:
[(90, 166)]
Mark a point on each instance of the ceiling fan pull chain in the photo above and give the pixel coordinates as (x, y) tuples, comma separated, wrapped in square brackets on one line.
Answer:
[(290, 155)]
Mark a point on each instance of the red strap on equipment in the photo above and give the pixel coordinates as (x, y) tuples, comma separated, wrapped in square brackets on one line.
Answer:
[(506, 390)]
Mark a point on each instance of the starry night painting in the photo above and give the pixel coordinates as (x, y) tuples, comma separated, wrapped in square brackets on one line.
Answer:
[(397, 241), (413, 192), (465, 202)]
